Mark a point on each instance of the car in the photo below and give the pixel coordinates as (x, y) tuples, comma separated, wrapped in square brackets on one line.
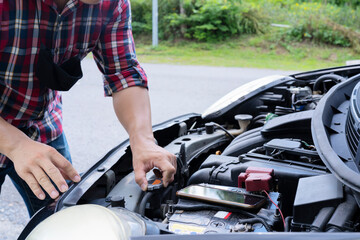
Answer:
[(276, 158)]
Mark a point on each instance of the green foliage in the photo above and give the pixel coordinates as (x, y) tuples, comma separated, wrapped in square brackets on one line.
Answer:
[(210, 20), (319, 31), (352, 3), (333, 22), (293, 11), (314, 21), (252, 22), (284, 3), (203, 20), (141, 16)]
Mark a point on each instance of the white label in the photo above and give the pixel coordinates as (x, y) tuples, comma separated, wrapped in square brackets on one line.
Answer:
[(221, 214)]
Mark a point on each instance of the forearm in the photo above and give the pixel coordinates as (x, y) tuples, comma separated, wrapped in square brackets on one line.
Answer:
[(132, 107), (10, 137)]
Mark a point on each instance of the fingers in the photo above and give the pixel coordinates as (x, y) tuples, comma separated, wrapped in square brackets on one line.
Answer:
[(65, 168), (165, 168), (140, 178), (55, 175), (34, 186), (55, 170), (47, 171), (64, 175), (45, 182), (168, 171), (42, 166)]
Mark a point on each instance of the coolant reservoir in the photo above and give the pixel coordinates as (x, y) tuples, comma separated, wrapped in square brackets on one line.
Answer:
[(91, 222)]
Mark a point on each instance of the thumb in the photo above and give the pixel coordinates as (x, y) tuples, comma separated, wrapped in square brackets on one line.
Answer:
[(140, 179)]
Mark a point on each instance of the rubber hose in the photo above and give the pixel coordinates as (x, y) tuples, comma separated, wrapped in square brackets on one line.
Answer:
[(143, 203), (322, 219), (321, 79), (288, 223)]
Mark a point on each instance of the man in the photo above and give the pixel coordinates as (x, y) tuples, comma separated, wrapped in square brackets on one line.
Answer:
[(40, 42)]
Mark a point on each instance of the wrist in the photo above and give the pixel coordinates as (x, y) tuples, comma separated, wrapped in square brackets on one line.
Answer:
[(16, 144), (138, 140), (11, 138)]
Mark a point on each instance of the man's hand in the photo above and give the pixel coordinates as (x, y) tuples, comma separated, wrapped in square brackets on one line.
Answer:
[(37, 164), (148, 155), (132, 107)]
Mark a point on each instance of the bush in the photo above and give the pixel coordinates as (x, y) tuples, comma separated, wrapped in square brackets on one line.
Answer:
[(141, 16), (286, 3), (214, 20), (315, 21), (352, 3), (334, 23), (318, 32), (325, 31), (204, 20)]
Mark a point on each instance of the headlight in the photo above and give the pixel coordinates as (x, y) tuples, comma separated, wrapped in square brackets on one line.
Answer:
[(89, 222)]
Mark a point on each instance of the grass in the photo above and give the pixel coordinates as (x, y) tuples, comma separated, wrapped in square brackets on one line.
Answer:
[(247, 51)]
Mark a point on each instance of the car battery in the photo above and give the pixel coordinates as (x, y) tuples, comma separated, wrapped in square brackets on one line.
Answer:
[(208, 221)]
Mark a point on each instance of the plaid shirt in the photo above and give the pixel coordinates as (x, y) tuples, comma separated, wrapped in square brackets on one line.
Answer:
[(103, 29)]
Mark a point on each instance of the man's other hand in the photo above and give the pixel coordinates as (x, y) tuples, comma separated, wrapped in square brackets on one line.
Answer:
[(39, 164)]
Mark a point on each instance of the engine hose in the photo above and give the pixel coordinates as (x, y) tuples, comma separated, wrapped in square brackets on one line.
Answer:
[(288, 220), (223, 129), (321, 79), (259, 117), (334, 229), (256, 220), (259, 122), (167, 190), (343, 213), (322, 219), (144, 201)]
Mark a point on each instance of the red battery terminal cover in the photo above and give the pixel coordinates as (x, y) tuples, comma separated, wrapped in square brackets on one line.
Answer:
[(256, 179)]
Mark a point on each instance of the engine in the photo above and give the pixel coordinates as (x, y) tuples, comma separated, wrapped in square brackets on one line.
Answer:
[(267, 160), (283, 157)]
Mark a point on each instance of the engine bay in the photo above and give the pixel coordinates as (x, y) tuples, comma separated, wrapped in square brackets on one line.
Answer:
[(252, 166), (269, 154)]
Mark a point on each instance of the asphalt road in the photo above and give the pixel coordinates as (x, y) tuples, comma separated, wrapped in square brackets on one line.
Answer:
[(92, 128)]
